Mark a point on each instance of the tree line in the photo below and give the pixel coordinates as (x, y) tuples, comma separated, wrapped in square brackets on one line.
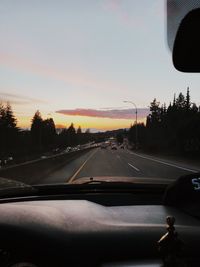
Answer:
[(43, 137), (174, 128)]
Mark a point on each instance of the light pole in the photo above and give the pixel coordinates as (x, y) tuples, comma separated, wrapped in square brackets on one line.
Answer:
[(136, 130)]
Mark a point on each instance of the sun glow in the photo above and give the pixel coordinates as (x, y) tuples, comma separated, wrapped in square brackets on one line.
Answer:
[(63, 121)]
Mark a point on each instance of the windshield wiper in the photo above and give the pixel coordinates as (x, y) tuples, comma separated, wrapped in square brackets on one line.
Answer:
[(46, 191), (100, 182)]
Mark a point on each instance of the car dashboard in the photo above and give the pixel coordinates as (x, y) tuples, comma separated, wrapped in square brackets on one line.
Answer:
[(86, 232)]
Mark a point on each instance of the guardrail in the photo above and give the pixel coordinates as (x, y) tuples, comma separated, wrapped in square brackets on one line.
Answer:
[(31, 172)]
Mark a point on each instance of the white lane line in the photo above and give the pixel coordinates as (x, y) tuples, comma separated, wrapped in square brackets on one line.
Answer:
[(81, 167), (133, 167), (165, 163)]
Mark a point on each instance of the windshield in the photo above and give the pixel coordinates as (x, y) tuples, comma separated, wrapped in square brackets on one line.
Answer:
[(88, 89)]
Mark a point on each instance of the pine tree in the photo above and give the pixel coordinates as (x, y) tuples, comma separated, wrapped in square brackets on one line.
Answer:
[(36, 129), (188, 104), (164, 108), (2, 117), (79, 135), (79, 131), (48, 132), (10, 119), (155, 116), (71, 129), (174, 100), (180, 101), (8, 128), (71, 132)]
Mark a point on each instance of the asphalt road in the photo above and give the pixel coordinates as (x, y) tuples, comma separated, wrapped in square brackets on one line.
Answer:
[(120, 162)]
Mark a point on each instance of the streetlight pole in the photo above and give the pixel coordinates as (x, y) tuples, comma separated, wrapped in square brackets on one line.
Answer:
[(136, 129)]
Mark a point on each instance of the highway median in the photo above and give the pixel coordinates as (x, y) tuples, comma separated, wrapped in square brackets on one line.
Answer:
[(31, 172)]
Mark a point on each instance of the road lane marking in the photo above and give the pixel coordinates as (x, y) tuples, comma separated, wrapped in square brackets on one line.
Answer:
[(81, 167), (165, 163), (133, 167)]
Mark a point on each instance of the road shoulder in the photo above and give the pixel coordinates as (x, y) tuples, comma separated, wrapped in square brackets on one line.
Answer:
[(172, 160)]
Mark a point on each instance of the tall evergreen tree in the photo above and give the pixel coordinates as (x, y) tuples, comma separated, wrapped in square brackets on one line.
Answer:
[(10, 119), (79, 135), (48, 133), (79, 131), (36, 129), (155, 110), (188, 104), (8, 128), (180, 102), (71, 132)]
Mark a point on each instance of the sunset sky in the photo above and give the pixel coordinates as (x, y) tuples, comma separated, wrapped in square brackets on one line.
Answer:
[(77, 61)]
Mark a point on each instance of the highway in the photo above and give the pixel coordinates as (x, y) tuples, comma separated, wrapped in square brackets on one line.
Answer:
[(120, 162)]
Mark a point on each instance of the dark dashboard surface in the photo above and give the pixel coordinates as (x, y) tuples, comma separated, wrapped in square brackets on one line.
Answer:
[(83, 233)]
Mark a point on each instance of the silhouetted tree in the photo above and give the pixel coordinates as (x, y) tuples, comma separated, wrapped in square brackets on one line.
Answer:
[(48, 133), (175, 128), (79, 135), (141, 130), (63, 138), (36, 130), (71, 133), (8, 129), (188, 103), (79, 131)]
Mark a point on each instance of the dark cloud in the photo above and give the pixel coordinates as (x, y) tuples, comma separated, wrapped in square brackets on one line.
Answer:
[(111, 113)]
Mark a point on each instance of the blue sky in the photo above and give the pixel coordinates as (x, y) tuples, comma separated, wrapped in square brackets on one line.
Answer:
[(69, 55)]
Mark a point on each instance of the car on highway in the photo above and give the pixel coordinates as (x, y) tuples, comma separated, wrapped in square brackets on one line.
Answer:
[(103, 145), (113, 147), (6, 161), (80, 82), (43, 157), (56, 150), (68, 149)]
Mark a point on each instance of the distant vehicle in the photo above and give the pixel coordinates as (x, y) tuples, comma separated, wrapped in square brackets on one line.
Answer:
[(68, 149), (56, 150), (103, 145), (122, 146), (114, 147), (5, 161)]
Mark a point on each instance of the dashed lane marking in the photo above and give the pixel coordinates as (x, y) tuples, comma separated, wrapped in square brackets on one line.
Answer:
[(165, 163), (133, 167), (81, 167)]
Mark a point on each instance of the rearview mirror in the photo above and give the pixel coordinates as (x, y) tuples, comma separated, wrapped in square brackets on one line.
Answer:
[(186, 49)]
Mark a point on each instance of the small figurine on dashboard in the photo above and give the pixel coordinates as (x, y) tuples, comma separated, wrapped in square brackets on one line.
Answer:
[(171, 247)]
